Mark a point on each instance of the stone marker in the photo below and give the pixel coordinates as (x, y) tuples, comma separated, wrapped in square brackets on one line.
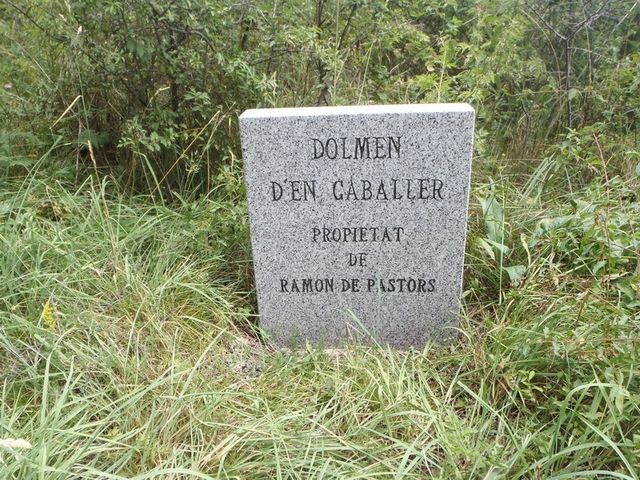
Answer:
[(358, 220)]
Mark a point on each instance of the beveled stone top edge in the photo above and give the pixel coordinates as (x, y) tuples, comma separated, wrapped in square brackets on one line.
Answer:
[(356, 110)]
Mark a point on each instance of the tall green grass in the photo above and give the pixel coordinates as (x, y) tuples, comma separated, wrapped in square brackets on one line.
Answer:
[(149, 365)]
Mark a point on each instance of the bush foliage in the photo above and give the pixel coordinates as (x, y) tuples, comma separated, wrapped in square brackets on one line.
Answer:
[(152, 89)]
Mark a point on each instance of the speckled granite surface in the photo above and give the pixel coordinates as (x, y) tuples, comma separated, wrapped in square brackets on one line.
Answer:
[(358, 220)]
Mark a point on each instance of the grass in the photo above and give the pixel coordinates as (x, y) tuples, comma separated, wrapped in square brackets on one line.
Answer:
[(128, 346)]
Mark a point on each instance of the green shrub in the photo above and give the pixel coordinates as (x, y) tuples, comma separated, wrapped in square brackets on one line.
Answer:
[(152, 89)]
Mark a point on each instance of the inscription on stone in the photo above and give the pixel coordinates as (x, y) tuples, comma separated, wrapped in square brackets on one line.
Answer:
[(358, 220)]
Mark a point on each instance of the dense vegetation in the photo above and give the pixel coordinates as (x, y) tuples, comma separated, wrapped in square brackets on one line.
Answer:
[(128, 341)]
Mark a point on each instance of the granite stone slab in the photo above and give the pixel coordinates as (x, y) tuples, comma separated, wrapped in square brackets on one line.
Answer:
[(358, 220)]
